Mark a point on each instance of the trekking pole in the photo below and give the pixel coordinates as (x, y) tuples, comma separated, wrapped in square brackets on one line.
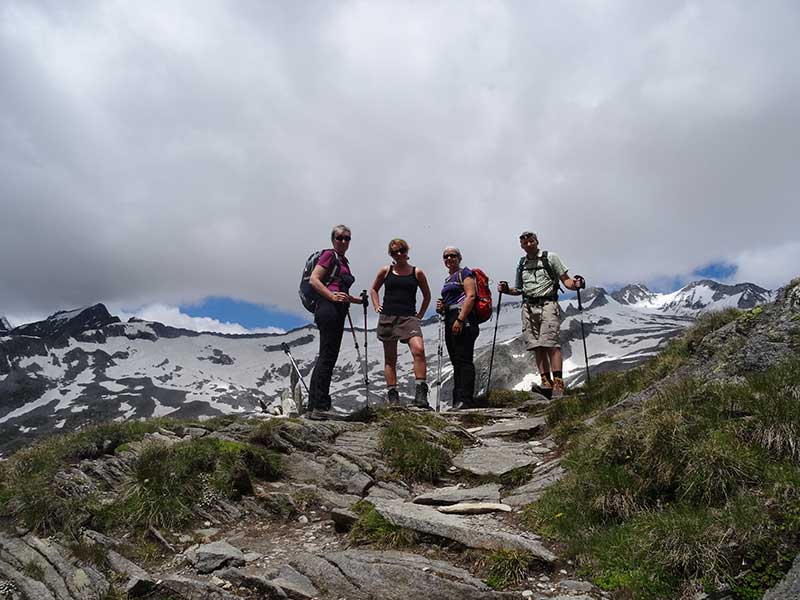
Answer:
[(285, 348), (353, 331), (494, 339), (439, 366), (365, 304), (583, 333)]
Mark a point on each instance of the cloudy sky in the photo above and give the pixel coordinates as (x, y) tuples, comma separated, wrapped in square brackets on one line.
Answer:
[(180, 160)]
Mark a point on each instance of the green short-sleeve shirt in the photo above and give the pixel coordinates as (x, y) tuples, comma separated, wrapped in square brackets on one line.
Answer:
[(533, 279)]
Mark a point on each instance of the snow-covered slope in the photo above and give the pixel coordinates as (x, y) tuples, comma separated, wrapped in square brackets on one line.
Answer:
[(86, 366)]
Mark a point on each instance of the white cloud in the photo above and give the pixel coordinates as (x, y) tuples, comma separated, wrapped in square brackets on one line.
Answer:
[(772, 266), (172, 316), (160, 154)]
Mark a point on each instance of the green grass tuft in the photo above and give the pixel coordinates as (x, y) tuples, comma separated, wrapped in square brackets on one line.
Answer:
[(411, 451), (373, 528), (508, 568)]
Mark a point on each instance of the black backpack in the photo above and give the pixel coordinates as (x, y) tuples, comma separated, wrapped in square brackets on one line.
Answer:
[(308, 295), (547, 267)]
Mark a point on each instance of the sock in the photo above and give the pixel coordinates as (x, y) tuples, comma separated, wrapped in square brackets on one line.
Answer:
[(546, 377), (558, 374), (418, 381), (392, 387)]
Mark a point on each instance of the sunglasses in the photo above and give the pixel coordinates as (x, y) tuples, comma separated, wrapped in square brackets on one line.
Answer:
[(446, 256), (399, 251), (343, 238)]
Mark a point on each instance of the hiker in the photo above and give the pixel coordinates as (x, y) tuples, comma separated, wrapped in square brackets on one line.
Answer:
[(538, 276), (461, 325), (329, 315), (400, 320)]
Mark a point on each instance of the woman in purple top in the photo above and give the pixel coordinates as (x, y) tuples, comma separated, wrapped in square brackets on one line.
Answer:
[(461, 325), (334, 300)]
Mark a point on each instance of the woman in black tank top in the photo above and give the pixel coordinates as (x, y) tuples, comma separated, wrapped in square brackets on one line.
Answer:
[(400, 320)]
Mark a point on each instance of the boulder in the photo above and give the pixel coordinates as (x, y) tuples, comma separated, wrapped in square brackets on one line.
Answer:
[(296, 585), (213, 556)]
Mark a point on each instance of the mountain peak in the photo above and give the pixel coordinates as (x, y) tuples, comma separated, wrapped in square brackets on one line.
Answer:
[(632, 294), (66, 323), (5, 326)]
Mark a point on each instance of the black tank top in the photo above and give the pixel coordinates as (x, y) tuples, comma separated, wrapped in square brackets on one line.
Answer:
[(400, 297)]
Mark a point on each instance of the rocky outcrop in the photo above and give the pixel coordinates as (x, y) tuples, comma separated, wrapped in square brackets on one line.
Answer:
[(789, 588), (364, 575)]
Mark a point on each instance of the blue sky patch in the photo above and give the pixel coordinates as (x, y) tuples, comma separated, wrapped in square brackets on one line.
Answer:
[(247, 314)]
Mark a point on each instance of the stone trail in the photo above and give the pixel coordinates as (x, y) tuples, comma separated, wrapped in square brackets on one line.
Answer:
[(287, 541)]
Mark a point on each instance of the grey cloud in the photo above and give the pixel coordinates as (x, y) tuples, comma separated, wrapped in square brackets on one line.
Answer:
[(159, 154)]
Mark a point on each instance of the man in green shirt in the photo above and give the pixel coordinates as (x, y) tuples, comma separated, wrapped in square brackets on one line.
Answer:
[(538, 277)]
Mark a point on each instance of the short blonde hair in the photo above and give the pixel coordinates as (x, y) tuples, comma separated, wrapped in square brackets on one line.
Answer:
[(397, 244)]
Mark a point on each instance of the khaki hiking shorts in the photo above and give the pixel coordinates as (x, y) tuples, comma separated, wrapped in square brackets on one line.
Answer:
[(541, 325), (394, 328)]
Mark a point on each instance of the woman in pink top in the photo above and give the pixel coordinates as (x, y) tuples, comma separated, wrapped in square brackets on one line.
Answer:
[(331, 279)]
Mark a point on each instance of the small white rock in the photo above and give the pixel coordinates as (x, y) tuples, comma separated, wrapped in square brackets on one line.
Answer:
[(206, 523), (453, 469), (527, 594), (563, 572), (217, 581), (302, 519)]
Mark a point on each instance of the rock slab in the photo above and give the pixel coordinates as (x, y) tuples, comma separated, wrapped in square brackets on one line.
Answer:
[(489, 492), (428, 520), (216, 555), (474, 508), (366, 575), (513, 427), (495, 460)]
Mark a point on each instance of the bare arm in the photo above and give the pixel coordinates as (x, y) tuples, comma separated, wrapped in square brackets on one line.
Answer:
[(569, 282), (376, 286), (470, 289), (426, 293), (316, 282)]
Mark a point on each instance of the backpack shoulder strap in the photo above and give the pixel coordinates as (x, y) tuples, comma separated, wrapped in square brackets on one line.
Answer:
[(334, 270), (548, 267)]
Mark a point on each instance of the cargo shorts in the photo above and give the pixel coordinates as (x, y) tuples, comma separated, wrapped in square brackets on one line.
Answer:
[(541, 324), (394, 328)]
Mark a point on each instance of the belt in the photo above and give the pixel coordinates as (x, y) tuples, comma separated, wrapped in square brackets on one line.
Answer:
[(539, 300)]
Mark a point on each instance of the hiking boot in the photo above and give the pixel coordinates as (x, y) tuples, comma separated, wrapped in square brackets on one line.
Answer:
[(317, 414), (421, 396), (558, 387), (393, 396)]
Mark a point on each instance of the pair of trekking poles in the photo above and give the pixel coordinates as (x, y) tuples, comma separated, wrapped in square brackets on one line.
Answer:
[(365, 304)]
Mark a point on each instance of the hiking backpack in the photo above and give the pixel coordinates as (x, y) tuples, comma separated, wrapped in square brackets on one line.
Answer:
[(483, 301), (547, 267), (308, 295), (483, 295)]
